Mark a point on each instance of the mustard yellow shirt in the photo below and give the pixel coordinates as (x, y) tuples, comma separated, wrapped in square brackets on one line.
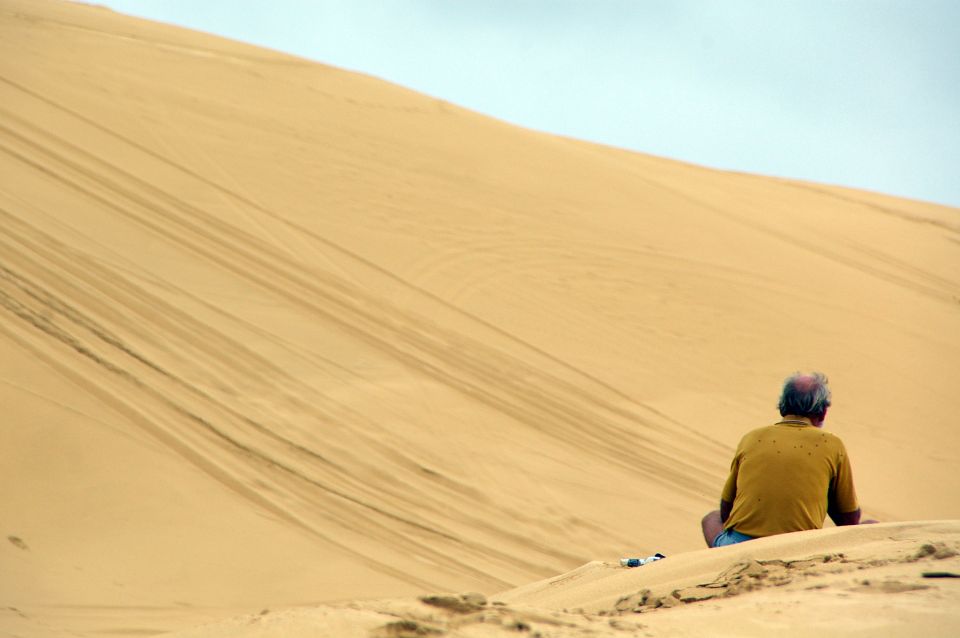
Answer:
[(783, 476)]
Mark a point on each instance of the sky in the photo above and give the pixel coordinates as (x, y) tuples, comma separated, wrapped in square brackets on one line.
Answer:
[(850, 92)]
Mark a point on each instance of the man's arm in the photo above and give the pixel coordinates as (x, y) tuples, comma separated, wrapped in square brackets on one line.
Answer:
[(842, 506), (843, 518), (725, 508)]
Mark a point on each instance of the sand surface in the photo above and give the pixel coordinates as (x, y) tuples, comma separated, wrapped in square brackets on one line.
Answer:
[(276, 336)]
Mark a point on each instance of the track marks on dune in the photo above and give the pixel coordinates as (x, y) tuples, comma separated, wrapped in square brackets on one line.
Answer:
[(41, 309), (350, 256), (926, 284), (209, 52), (187, 444), (229, 428), (489, 376), (953, 228), (218, 430), (877, 266), (41, 320), (303, 484), (492, 376), (935, 282)]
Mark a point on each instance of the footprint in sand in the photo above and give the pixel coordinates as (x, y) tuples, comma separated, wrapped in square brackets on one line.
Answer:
[(17, 542), (886, 587)]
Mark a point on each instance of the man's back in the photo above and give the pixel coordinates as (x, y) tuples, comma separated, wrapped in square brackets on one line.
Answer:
[(783, 476)]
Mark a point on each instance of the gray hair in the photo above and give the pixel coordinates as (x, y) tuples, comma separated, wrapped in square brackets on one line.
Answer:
[(805, 395)]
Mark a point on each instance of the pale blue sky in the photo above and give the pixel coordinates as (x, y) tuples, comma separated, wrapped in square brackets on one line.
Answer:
[(854, 92)]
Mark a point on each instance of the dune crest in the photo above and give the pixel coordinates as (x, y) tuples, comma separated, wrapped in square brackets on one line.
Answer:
[(278, 334), (913, 567)]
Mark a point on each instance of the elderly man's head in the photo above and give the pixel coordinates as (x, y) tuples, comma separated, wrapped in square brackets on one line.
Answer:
[(805, 395)]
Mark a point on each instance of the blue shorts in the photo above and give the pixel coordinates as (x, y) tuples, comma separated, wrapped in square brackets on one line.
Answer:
[(730, 537)]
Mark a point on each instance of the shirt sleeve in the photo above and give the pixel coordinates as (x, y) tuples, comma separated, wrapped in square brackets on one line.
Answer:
[(730, 487), (843, 496)]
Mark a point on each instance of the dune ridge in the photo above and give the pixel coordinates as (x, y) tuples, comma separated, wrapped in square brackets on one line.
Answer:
[(809, 583), (279, 334)]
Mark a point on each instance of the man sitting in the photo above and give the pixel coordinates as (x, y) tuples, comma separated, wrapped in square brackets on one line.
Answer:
[(788, 476)]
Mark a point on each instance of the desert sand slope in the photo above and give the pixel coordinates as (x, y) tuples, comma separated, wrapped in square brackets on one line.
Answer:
[(895, 579), (273, 334)]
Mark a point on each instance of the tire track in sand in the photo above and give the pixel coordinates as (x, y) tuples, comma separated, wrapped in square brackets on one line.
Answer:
[(529, 393), (236, 441), (442, 356), (527, 346)]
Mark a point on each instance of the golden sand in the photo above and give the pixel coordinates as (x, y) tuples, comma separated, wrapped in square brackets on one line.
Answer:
[(279, 336)]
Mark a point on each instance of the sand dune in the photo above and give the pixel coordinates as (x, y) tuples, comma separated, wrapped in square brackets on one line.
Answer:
[(276, 334), (824, 582)]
